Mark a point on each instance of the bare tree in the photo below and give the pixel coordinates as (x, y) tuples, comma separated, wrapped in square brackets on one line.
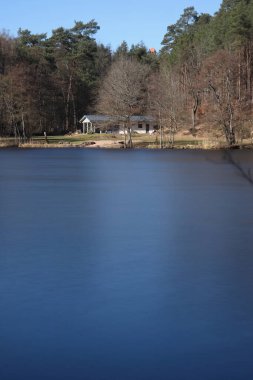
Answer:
[(221, 80), (124, 93), (165, 101)]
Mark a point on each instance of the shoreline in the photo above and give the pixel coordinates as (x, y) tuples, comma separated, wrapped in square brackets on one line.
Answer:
[(121, 147), (60, 142)]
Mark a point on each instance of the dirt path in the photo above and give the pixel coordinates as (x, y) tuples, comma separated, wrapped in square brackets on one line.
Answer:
[(112, 144)]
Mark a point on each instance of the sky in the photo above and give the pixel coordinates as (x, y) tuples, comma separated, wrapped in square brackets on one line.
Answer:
[(130, 20)]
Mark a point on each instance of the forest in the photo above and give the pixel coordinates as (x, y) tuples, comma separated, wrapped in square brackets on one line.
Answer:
[(201, 79)]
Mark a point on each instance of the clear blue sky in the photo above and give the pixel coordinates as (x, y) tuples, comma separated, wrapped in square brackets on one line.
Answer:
[(130, 20)]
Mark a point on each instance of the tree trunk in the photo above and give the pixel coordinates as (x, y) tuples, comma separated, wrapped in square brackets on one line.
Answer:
[(74, 111), (239, 77), (130, 141), (161, 136), (248, 70), (129, 130), (125, 142), (68, 104), (161, 133), (230, 135), (194, 111), (229, 129), (23, 127), (172, 132), (15, 133)]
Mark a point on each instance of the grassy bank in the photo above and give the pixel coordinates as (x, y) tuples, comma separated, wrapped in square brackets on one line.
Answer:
[(117, 141)]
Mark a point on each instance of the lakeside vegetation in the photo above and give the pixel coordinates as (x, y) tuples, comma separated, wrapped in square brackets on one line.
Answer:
[(117, 142), (199, 86)]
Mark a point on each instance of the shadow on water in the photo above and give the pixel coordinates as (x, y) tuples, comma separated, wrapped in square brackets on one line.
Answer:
[(245, 173), (241, 161)]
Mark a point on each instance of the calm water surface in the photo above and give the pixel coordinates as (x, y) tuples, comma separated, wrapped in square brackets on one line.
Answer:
[(122, 265)]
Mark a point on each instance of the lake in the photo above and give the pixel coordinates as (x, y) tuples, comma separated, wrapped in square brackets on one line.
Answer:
[(119, 265)]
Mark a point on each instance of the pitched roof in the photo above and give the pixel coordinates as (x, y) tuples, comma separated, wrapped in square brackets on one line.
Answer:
[(106, 118), (96, 118)]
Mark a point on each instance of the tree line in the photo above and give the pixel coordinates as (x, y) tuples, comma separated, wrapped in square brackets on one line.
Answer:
[(202, 76), (46, 83)]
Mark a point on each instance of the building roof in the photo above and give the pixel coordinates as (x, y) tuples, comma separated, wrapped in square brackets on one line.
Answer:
[(96, 118), (106, 118), (152, 50)]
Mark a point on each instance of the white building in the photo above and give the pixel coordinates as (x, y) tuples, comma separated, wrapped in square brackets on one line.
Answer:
[(111, 124)]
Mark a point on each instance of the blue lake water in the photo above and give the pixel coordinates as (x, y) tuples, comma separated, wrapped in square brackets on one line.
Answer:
[(119, 265)]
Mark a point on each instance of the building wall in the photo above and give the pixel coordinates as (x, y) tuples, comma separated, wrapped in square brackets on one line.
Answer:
[(141, 128)]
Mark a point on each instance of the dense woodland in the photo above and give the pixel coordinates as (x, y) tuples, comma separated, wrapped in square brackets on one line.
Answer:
[(202, 78)]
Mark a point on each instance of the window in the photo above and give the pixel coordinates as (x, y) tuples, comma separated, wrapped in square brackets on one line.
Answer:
[(139, 125)]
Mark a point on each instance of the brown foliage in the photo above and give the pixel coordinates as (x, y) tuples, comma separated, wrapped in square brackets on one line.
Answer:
[(123, 92)]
